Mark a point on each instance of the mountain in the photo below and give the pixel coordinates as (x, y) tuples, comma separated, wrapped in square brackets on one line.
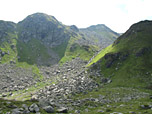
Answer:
[(44, 68), (127, 62), (45, 41), (8, 38), (101, 34), (39, 35), (34, 46), (42, 40)]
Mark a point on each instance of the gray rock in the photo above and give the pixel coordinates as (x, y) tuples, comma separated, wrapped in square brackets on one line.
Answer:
[(100, 111), (49, 109), (145, 107), (104, 80), (4, 94), (25, 106), (34, 108), (3, 53), (86, 110), (62, 110), (131, 112), (77, 111), (12, 106), (16, 111), (34, 98), (38, 113), (44, 102), (26, 112)]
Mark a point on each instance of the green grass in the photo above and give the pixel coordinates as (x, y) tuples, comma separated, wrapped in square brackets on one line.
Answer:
[(100, 55), (60, 50), (125, 108), (5, 104), (29, 52), (26, 94), (79, 51), (133, 71), (5, 46), (111, 94), (74, 50)]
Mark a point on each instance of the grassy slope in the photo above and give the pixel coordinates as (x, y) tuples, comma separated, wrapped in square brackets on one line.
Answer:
[(107, 34), (60, 50), (30, 51), (6, 47), (100, 55), (134, 71), (8, 44), (112, 94), (74, 50), (128, 76)]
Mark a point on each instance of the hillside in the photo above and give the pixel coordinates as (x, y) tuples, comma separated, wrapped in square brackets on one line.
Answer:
[(127, 61), (43, 40), (46, 68), (8, 38), (101, 34)]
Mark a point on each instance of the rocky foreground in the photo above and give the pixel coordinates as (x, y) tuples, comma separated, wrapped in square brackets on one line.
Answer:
[(68, 83), (14, 78)]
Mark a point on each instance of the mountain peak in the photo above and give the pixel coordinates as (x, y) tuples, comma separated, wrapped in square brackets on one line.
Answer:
[(75, 28), (39, 18), (41, 15), (98, 26), (142, 27)]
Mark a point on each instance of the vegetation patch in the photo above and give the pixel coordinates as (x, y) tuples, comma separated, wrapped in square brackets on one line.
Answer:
[(31, 51)]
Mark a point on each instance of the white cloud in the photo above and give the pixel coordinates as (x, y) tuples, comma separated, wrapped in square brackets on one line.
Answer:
[(116, 14)]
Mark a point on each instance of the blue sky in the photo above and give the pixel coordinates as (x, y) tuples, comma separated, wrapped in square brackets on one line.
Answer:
[(119, 15)]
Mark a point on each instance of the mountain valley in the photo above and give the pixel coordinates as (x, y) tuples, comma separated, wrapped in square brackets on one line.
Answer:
[(48, 67)]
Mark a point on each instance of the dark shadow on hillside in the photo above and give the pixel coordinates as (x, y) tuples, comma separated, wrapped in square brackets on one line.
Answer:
[(35, 52)]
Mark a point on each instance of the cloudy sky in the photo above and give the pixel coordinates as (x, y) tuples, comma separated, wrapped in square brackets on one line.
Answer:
[(119, 15)]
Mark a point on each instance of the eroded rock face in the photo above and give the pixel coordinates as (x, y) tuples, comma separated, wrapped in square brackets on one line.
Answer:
[(43, 27)]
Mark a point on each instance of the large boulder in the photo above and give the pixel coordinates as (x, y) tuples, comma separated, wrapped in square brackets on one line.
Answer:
[(34, 108), (49, 109), (62, 110)]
